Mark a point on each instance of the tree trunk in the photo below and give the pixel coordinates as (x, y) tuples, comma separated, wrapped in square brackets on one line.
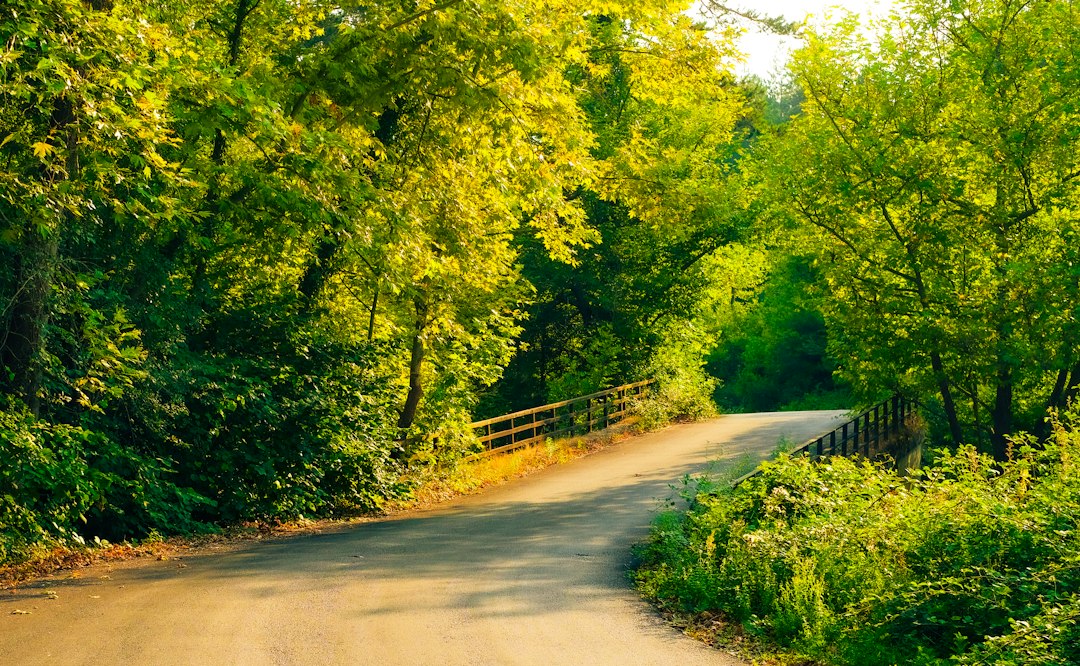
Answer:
[(22, 355), (1072, 387), (318, 272), (416, 364), (25, 340), (947, 402), (976, 417), (416, 389), (201, 331), (1059, 397)]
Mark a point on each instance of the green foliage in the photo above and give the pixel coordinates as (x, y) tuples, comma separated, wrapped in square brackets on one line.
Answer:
[(61, 482), (48, 486), (683, 391), (265, 255), (933, 171), (969, 561), (801, 614), (772, 354)]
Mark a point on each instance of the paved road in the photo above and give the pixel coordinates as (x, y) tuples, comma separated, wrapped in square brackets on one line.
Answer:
[(533, 572)]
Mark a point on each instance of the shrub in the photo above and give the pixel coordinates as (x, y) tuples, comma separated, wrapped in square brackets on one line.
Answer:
[(846, 563), (63, 485), (683, 390), (306, 433)]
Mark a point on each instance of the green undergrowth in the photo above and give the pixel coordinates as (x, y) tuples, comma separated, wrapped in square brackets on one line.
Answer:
[(279, 454), (966, 562), (54, 492)]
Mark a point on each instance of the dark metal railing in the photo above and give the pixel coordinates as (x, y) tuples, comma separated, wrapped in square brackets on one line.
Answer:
[(862, 435)]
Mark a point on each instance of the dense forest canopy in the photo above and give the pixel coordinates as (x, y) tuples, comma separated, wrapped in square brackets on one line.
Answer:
[(264, 256), (263, 252), (935, 165)]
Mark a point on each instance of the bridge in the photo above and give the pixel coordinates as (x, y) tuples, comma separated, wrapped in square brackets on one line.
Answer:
[(533, 572)]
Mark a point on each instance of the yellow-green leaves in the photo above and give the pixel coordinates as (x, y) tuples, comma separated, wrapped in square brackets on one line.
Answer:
[(934, 161)]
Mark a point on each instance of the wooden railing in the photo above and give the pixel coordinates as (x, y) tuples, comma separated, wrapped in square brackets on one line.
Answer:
[(863, 435), (577, 416)]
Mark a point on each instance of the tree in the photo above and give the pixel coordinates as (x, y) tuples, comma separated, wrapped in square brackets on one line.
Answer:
[(263, 250), (936, 162), (82, 126), (664, 110)]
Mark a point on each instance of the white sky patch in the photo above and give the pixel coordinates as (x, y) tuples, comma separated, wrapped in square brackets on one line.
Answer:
[(766, 53)]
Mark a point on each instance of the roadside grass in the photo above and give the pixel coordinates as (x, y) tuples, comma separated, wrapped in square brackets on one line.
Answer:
[(441, 484)]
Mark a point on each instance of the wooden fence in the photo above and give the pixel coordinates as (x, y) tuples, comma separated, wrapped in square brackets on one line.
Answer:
[(864, 435), (577, 416)]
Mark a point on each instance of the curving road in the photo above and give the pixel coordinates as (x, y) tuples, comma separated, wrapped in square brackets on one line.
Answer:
[(533, 572)]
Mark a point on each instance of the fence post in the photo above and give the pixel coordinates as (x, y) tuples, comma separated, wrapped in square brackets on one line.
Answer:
[(503, 433), (866, 433), (832, 443)]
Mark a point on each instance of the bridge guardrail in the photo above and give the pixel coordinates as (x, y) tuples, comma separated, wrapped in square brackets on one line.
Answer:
[(860, 435), (577, 416)]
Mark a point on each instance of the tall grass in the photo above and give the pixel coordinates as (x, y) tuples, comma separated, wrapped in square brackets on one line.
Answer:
[(471, 476)]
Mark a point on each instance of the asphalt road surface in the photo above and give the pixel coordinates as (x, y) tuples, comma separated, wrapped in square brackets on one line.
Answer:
[(533, 572)]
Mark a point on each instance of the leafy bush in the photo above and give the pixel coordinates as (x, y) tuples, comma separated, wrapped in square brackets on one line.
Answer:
[(63, 484), (307, 433), (683, 390), (846, 563), (203, 439)]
